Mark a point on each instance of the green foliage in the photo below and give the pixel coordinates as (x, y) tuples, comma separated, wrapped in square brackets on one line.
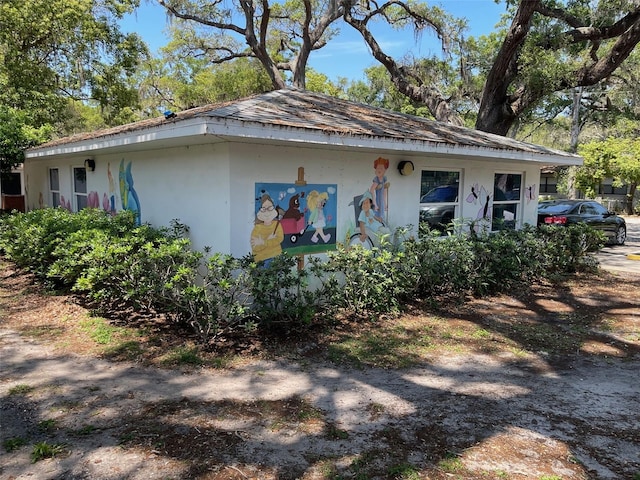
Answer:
[(280, 292), (33, 239), (119, 266), (566, 249), (217, 305), (615, 158), (21, 389), (16, 135), (371, 281), (14, 443), (54, 50), (42, 450), (440, 266)]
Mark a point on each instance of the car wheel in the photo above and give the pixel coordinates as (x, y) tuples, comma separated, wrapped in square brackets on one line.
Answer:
[(621, 235)]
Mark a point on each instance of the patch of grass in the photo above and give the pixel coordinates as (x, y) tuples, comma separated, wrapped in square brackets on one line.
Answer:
[(183, 356), (86, 430), (550, 477), (100, 331), (42, 450), (404, 471), (481, 334), (451, 463), (44, 332), (359, 465), (127, 350), (334, 433), (47, 426), (11, 444), (21, 389)]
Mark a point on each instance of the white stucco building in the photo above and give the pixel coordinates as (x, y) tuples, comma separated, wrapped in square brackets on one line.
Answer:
[(211, 166)]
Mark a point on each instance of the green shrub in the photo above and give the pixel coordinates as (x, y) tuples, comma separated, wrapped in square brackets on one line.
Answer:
[(370, 281), (219, 304), (440, 265), (32, 239), (280, 292), (568, 249), (117, 265), (506, 260)]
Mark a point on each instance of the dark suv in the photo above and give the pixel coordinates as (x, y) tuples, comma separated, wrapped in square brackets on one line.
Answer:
[(439, 216)]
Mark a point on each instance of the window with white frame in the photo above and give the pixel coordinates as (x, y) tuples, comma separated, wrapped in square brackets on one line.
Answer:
[(439, 198), (80, 187), (54, 187), (507, 195)]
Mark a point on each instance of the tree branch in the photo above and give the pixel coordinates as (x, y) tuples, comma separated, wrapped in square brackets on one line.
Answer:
[(400, 76)]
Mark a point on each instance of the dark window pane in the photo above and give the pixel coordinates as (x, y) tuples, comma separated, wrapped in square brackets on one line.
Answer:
[(439, 186), (10, 184), (81, 201), (504, 216), (54, 182), (506, 186), (79, 180)]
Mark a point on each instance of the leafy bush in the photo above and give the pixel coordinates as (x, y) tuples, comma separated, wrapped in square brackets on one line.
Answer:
[(32, 239), (440, 265), (118, 265), (567, 249), (220, 303), (280, 292), (506, 260), (370, 281)]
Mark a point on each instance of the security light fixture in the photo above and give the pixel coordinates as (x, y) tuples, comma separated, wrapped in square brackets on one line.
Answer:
[(405, 167), (90, 164)]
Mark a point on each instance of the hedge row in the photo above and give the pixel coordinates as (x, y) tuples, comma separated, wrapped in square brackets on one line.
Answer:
[(118, 265)]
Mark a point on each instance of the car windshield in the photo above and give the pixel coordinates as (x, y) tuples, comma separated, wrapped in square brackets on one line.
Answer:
[(447, 193), (554, 208)]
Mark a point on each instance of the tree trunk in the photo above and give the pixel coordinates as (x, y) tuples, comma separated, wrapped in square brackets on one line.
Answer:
[(496, 113), (630, 196)]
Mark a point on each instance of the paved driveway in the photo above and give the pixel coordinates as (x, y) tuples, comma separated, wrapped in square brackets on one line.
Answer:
[(617, 258)]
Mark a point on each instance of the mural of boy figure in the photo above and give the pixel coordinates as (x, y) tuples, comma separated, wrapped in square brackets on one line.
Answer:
[(380, 187), (267, 235), (315, 203)]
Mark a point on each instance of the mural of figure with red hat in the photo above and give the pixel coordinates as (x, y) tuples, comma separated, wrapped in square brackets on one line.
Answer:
[(380, 187)]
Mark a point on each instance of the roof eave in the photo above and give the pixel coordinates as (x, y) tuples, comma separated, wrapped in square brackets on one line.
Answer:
[(217, 128)]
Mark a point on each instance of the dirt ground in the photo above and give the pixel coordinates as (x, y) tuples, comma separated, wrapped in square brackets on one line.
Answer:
[(494, 414)]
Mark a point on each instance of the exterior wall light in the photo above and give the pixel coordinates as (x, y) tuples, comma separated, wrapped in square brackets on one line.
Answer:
[(405, 167), (90, 164)]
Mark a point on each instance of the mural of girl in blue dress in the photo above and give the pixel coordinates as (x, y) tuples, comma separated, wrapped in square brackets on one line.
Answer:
[(316, 202)]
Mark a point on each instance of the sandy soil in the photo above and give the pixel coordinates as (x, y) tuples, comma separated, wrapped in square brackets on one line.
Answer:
[(498, 416)]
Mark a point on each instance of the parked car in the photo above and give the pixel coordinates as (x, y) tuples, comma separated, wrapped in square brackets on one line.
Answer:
[(568, 212), (439, 216)]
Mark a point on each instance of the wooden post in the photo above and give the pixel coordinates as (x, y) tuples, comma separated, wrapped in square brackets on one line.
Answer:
[(300, 180)]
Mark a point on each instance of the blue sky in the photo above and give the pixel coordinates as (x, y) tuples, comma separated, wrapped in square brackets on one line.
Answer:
[(346, 55)]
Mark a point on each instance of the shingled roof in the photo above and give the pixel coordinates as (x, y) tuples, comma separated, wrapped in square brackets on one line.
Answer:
[(293, 112)]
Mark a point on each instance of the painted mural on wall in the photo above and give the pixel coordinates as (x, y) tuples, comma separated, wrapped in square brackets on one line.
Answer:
[(530, 193), (380, 188), (480, 197), (297, 219), (371, 210), (128, 195)]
